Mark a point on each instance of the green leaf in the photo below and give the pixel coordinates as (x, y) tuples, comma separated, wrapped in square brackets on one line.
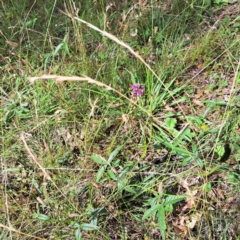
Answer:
[(179, 150), (216, 102), (220, 150), (98, 159), (102, 161), (157, 146), (167, 143), (185, 133), (99, 174), (208, 187), (78, 234), (174, 199), (89, 227), (150, 211), (168, 208), (186, 161), (182, 151), (133, 77), (200, 163), (129, 189), (42, 217), (171, 122), (114, 153), (162, 221), (209, 108), (94, 220), (233, 178), (74, 224), (58, 48), (112, 175)]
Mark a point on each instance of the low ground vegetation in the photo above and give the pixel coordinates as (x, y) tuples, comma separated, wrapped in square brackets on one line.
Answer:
[(120, 119)]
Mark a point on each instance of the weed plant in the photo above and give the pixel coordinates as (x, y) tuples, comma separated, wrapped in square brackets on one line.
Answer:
[(120, 120)]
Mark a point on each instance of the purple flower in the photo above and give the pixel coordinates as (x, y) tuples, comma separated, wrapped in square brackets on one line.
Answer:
[(151, 56), (137, 89), (150, 59)]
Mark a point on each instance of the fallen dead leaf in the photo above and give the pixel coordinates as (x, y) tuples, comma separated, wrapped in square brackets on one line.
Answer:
[(191, 200), (180, 227), (212, 195), (142, 3), (116, 105), (109, 26), (110, 6), (180, 230), (95, 184), (13, 44), (194, 220), (220, 193), (160, 188), (122, 25), (199, 94), (125, 119), (73, 215), (42, 202), (198, 103), (170, 109)]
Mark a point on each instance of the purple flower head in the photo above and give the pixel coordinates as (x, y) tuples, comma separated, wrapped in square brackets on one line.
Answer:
[(151, 56), (137, 89)]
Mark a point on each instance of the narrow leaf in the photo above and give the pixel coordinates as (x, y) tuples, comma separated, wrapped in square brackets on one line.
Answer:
[(200, 163), (42, 217), (216, 102), (89, 227), (98, 159), (185, 133), (168, 208), (186, 161), (57, 49), (171, 122), (162, 221), (174, 199), (150, 211), (182, 151), (129, 189), (112, 175), (114, 153), (78, 234), (74, 225), (99, 174)]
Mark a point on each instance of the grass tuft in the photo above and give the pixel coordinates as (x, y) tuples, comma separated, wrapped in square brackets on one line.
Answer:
[(119, 120)]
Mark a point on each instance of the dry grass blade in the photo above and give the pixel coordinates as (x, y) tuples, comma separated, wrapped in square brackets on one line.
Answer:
[(46, 175), (115, 39), (20, 233), (34, 158), (121, 43), (72, 78)]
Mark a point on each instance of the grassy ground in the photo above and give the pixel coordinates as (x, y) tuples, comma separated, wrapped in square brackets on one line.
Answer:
[(85, 156)]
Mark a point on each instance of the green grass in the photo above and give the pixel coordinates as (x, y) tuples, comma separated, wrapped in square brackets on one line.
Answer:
[(82, 158)]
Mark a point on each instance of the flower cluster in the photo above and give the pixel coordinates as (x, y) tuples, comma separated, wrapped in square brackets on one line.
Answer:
[(150, 59), (137, 89)]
